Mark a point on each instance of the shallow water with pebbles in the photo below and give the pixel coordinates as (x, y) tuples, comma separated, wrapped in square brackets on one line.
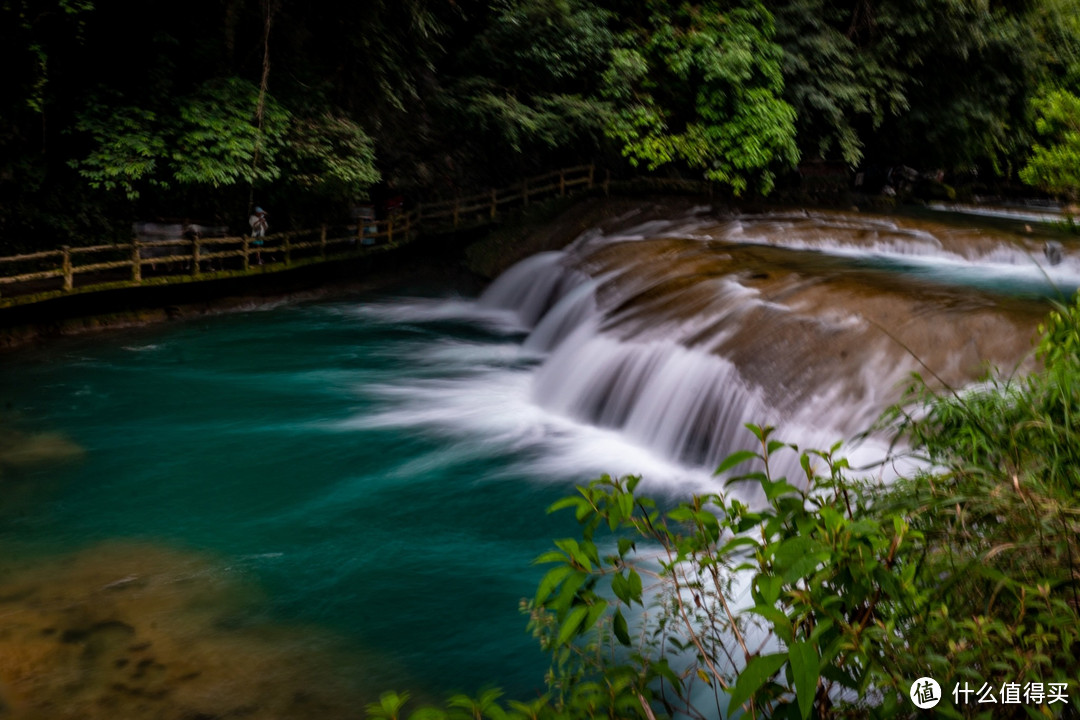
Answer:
[(137, 631)]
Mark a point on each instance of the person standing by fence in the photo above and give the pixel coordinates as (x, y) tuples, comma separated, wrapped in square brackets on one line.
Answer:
[(259, 225)]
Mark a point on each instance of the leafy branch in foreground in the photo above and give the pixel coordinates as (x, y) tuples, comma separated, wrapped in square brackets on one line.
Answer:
[(786, 609), (828, 595)]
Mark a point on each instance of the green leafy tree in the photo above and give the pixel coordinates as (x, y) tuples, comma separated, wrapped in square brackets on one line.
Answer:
[(840, 83), (1055, 165), (1056, 24), (215, 138), (699, 84), (522, 93)]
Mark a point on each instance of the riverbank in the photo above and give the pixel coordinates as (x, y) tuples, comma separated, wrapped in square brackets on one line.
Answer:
[(138, 306), (467, 259)]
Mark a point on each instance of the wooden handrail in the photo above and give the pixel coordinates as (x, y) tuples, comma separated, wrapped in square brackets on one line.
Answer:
[(33, 256), (193, 258)]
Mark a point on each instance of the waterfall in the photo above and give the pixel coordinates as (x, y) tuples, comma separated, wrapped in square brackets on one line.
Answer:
[(533, 286), (574, 309), (676, 334), (684, 404)]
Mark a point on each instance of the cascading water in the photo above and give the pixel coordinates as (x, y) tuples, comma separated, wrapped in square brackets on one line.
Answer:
[(532, 287), (676, 334), (377, 468)]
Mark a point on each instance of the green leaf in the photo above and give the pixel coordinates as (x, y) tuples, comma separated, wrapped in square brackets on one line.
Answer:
[(780, 622), (662, 668), (635, 586), (737, 542), (758, 477), (568, 592), (734, 459), (595, 611), (754, 675), (389, 705), (823, 626), (576, 552), (770, 586), (621, 587), (804, 566), (550, 556), (683, 513), (804, 666), (709, 524), (759, 432), (774, 445), (572, 501), (622, 632), (778, 488), (551, 581), (571, 623)]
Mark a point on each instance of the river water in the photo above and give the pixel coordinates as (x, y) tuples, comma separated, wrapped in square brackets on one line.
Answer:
[(284, 511)]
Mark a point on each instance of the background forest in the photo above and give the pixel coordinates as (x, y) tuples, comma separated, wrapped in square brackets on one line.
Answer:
[(123, 110)]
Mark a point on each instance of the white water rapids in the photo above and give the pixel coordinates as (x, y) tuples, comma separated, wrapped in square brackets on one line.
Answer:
[(675, 334)]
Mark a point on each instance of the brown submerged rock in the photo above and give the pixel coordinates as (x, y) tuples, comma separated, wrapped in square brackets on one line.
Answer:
[(135, 631), (22, 449)]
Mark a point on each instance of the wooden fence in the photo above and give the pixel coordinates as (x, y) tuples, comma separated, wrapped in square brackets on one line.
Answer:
[(34, 277)]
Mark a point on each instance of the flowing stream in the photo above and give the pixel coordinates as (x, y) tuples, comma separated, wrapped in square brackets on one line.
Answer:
[(285, 511)]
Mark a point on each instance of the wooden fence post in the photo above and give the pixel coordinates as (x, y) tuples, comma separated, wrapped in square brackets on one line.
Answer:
[(592, 171), (390, 230), (288, 249), (69, 280), (562, 183), (196, 247), (607, 182), (247, 251), (322, 242), (494, 204), (136, 263)]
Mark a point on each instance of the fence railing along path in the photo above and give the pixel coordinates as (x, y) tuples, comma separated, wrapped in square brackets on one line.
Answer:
[(34, 277)]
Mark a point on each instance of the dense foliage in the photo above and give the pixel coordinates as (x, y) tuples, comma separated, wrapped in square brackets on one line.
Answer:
[(1055, 166), (831, 593), (123, 110)]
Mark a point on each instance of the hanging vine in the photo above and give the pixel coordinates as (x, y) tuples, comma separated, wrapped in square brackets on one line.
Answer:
[(260, 106)]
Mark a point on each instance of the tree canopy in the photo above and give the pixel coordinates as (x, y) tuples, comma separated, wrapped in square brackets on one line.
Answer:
[(127, 109)]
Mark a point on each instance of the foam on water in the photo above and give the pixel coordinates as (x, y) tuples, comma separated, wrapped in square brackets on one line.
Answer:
[(429, 310), (937, 256), (1045, 215), (485, 404)]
